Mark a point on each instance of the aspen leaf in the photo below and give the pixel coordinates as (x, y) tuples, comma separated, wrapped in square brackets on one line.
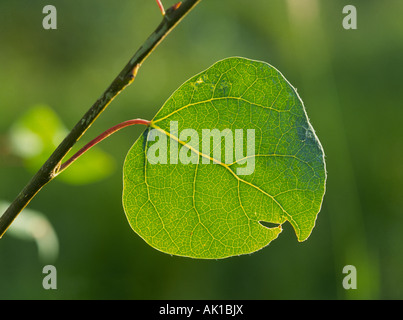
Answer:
[(230, 151)]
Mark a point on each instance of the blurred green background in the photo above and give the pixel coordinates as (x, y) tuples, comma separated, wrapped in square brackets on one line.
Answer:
[(349, 81)]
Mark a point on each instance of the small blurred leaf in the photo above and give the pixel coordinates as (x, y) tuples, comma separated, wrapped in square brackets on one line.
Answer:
[(93, 166), (33, 225), (36, 134)]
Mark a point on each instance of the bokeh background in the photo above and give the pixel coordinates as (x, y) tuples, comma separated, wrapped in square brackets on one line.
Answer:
[(349, 80)]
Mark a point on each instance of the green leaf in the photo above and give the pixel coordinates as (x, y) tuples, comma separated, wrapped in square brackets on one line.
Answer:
[(36, 134), (182, 205)]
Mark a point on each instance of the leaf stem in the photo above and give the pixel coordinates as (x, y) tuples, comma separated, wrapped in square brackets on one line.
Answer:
[(52, 166), (161, 6), (101, 137)]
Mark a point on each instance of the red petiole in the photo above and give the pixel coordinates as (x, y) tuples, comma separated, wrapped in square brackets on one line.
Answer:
[(101, 137)]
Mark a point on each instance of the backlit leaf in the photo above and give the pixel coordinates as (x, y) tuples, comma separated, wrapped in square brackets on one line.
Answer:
[(190, 195)]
